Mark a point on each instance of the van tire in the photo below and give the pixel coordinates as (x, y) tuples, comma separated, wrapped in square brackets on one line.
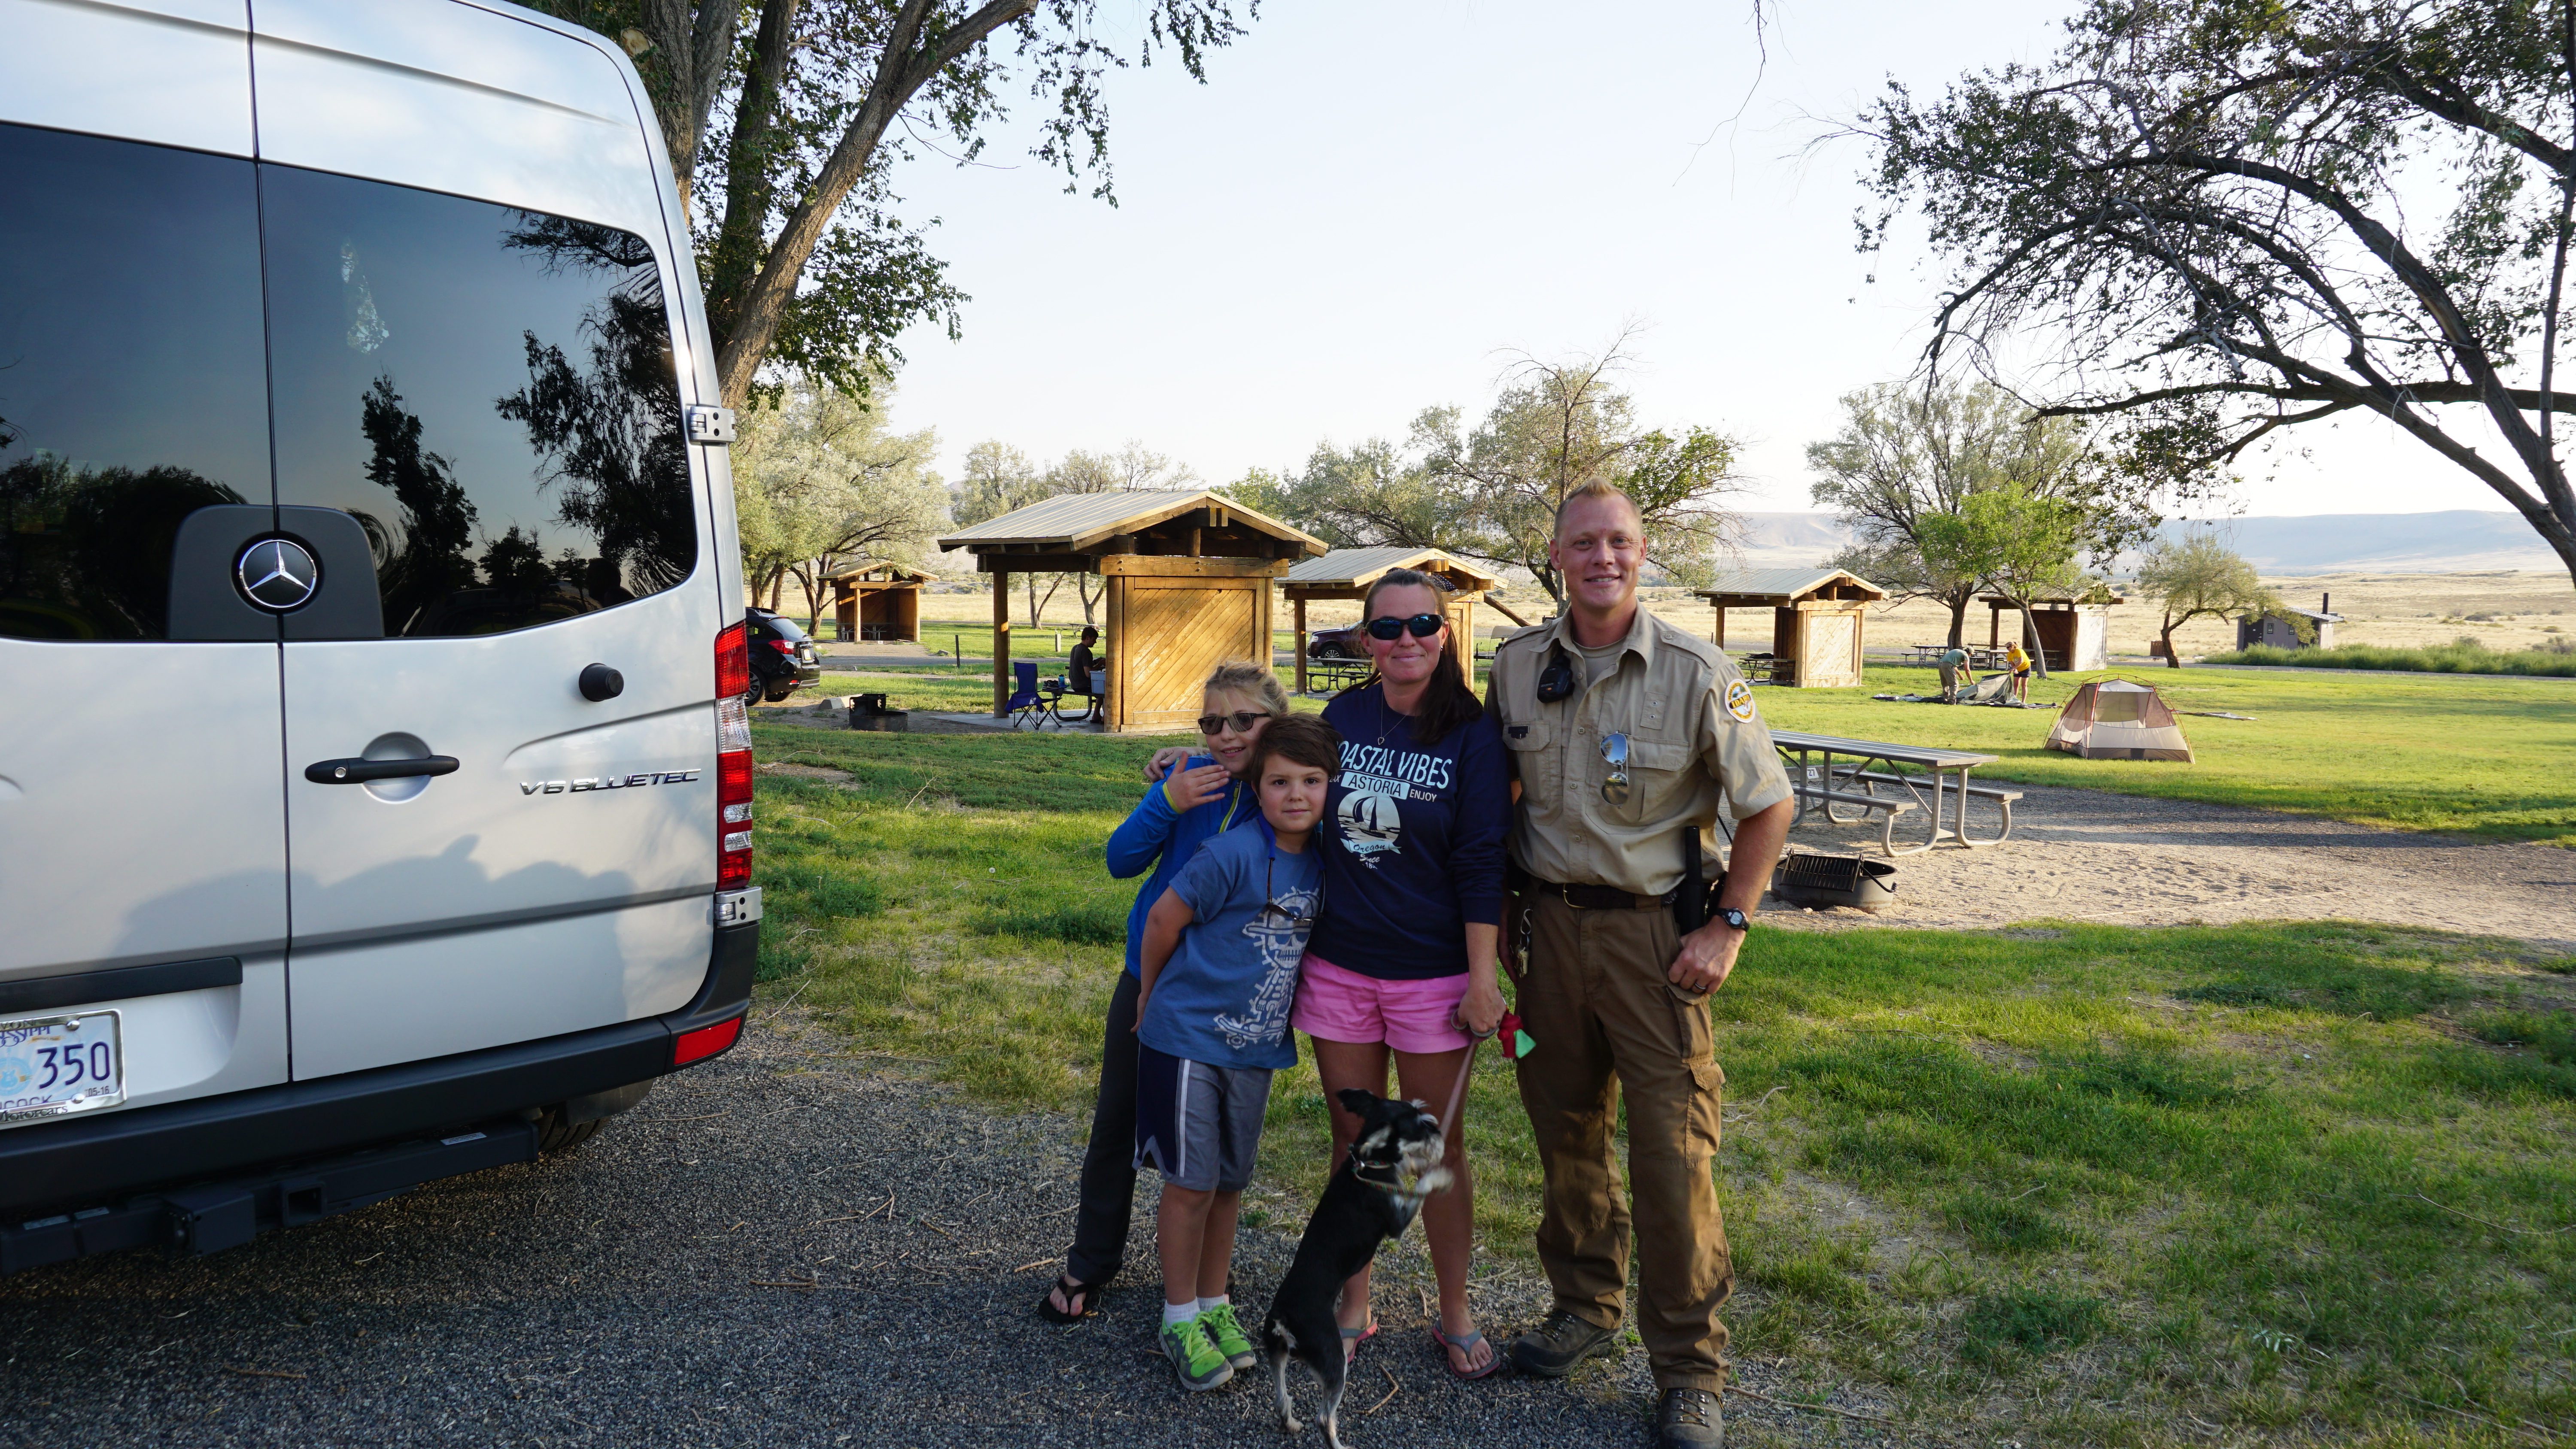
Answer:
[(555, 1135)]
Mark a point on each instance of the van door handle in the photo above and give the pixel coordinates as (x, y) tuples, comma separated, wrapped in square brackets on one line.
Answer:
[(359, 772)]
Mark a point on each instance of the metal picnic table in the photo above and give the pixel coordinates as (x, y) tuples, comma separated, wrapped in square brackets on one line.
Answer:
[(1862, 754)]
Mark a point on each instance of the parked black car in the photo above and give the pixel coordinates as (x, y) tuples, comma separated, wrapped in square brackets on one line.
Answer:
[(782, 656)]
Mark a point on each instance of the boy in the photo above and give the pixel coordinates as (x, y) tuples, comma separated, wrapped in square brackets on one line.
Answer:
[(1218, 967)]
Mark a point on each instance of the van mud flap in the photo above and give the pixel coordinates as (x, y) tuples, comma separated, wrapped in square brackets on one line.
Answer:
[(209, 1217)]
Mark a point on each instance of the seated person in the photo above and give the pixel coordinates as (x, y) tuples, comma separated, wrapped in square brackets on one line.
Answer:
[(1085, 660)]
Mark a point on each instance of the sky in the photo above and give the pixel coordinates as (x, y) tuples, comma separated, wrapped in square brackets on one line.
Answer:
[(1376, 206)]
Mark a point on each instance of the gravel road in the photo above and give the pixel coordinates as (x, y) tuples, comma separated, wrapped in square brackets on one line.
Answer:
[(625, 1294)]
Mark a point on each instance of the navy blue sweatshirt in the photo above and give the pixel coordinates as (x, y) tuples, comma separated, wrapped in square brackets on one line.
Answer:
[(1414, 842)]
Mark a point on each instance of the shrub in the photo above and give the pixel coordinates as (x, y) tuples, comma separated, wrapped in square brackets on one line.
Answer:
[(2468, 657)]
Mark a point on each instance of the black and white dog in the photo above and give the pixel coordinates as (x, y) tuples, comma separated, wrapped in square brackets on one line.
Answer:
[(1393, 1166)]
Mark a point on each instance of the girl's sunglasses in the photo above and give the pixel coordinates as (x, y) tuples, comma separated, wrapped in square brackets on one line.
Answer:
[(1420, 626), (1244, 720)]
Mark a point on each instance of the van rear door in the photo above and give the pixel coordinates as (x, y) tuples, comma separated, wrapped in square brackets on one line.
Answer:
[(142, 830), (472, 355)]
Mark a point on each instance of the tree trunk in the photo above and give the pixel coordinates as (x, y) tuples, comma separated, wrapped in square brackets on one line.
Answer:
[(2172, 660), (1959, 615), (1090, 600)]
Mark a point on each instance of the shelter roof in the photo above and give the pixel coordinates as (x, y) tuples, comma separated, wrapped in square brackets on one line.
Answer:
[(1790, 585), (1353, 568), (2098, 596), (892, 573), (2312, 615), (1087, 522)]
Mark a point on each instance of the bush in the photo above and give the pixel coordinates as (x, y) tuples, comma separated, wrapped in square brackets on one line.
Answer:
[(2467, 657)]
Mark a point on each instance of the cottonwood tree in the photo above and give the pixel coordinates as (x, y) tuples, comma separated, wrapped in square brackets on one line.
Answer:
[(786, 119), (1909, 453), (2218, 219), (820, 482), (2016, 541), (2197, 575), (1490, 492)]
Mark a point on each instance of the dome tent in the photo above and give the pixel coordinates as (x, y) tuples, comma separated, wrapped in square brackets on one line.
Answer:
[(2112, 719)]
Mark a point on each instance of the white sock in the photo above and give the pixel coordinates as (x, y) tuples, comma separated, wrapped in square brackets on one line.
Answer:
[(1180, 1313), (1219, 1301)]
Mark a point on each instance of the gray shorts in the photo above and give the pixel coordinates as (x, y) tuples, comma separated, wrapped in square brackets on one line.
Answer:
[(1198, 1125)]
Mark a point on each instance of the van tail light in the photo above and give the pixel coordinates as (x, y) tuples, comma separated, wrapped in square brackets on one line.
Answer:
[(733, 760), (706, 1041)]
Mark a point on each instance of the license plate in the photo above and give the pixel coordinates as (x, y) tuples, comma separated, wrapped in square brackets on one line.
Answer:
[(50, 1065)]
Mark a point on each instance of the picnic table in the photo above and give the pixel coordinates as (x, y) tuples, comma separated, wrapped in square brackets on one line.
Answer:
[(1946, 771)]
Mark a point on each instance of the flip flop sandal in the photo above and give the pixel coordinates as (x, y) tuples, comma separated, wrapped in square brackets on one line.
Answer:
[(1087, 1294), (1464, 1343), (1352, 1338)]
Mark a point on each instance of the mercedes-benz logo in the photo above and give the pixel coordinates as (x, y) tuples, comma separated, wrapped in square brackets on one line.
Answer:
[(277, 574)]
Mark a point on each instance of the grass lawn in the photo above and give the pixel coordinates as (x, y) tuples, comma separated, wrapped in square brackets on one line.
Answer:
[(2297, 1181), (2487, 757)]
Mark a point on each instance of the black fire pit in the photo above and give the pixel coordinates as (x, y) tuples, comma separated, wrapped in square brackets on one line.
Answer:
[(1834, 880), (869, 712)]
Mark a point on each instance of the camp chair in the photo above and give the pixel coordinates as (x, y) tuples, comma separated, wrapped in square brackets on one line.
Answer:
[(1026, 702)]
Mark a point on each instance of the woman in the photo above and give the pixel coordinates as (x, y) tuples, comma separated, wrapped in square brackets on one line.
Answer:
[(1165, 830), (1403, 960)]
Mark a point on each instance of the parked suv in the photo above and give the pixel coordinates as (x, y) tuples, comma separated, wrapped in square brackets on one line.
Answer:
[(782, 656), (374, 776)]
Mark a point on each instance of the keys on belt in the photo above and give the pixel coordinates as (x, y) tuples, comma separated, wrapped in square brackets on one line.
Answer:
[(1601, 898)]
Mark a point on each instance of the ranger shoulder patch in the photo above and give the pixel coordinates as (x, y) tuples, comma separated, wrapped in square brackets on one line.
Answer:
[(1739, 701)]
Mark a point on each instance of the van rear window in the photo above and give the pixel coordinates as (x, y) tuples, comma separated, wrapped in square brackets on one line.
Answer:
[(130, 373), (490, 391)]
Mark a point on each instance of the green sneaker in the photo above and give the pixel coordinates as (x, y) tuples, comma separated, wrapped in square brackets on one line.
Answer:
[(1227, 1334), (1200, 1366)]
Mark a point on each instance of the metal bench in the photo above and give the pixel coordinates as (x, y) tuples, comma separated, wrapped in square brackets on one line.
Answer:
[(1887, 807), (1871, 779)]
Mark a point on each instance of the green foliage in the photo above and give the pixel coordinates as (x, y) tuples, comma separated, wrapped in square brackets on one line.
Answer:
[(2197, 575), (818, 480), (2215, 212), (2548, 1035), (2468, 657)]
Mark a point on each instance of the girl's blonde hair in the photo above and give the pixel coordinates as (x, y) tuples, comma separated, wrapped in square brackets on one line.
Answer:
[(1253, 681)]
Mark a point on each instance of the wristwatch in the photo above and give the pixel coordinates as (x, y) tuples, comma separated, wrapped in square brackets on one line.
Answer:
[(1733, 917)]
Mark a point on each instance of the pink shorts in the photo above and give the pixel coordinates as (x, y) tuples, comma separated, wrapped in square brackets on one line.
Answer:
[(1344, 1006)]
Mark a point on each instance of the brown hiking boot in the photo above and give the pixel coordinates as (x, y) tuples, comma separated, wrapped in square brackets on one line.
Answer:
[(1551, 1350), (1689, 1419)]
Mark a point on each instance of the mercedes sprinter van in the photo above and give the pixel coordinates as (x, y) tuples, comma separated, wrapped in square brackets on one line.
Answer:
[(374, 780)]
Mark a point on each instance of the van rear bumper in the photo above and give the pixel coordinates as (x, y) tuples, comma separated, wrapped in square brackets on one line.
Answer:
[(80, 1164)]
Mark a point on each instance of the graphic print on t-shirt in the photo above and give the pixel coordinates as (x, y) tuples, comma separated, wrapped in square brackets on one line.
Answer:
[(1377, 780), (1281, 942)]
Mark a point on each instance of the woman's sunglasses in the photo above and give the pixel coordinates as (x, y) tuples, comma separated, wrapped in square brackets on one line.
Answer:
[(1244, 720), (1420, 626)]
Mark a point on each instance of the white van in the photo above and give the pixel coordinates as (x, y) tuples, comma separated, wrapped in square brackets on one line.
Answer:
[(368, 588)]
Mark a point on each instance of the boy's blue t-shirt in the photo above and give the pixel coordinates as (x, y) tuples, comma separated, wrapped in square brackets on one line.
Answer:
[(1223, 998)]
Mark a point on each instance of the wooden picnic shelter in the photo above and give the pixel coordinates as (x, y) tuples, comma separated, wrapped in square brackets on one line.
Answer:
[(1346, 573), (1818, 619), (1189, 587), (2074, 634), (878, 601)]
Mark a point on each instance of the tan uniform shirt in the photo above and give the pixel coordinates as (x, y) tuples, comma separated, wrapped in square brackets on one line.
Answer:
[(1692, 731)]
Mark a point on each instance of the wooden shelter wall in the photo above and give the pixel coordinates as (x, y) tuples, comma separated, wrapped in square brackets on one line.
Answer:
[(1186, 627)]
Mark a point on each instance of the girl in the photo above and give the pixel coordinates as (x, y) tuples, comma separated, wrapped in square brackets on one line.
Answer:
[(1176, 816)]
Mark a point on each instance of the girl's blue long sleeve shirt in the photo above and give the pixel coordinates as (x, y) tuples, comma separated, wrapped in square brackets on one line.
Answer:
[(1155, 836)]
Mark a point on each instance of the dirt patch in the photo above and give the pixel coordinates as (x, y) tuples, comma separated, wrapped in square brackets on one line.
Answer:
[(2089, 856)]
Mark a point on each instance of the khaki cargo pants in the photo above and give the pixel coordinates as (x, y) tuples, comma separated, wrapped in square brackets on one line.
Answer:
[(1605, 1020)]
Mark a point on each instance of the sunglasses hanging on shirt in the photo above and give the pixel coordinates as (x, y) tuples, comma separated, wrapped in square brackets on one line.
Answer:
[(1420, 626), (1614, 749)]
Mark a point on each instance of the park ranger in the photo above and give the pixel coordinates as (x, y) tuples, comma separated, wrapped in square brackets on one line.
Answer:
[(1623, 732)]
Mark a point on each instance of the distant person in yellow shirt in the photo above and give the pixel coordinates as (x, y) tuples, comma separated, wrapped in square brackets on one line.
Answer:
[(2019, 663)]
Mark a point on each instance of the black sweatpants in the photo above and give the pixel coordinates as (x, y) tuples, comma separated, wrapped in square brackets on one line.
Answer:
[(1109, 1165)]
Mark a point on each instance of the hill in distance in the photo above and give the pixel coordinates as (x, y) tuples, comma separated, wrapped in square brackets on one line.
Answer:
[(2455, 541)]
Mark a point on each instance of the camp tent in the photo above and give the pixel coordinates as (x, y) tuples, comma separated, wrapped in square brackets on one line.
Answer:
[(2112, 719)]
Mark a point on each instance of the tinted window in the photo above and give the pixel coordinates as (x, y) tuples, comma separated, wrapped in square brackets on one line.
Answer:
[(489, 390), (130, 373)]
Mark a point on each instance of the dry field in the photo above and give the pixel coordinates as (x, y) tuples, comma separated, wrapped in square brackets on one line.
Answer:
[(2508, 610)]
